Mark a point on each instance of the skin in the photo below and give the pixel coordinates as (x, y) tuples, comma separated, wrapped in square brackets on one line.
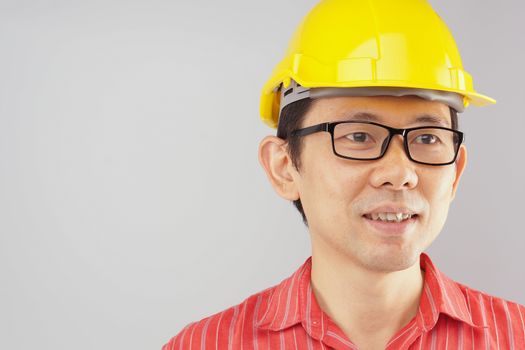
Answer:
[(369, 283)]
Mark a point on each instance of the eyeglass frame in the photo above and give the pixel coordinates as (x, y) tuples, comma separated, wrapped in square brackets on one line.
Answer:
[(330, 127)]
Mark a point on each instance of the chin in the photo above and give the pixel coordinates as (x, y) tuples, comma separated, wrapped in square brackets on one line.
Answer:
[(390, 260)]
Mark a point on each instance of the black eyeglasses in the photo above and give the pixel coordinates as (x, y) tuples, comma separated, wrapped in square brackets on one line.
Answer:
[(363, 140)]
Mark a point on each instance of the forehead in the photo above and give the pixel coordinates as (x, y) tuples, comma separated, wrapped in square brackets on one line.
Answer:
[(390, 110)]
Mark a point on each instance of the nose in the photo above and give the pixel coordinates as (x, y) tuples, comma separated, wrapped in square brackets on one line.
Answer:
[(395, 170)]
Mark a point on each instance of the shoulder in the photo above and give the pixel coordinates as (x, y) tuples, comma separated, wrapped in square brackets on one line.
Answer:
[(480, 301), (218, 330), (504, 319)]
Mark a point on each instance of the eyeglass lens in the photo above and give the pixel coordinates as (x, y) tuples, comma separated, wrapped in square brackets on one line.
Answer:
[(368, 141)]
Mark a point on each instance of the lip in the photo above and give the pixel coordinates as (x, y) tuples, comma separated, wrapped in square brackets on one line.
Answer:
[(392, 228)]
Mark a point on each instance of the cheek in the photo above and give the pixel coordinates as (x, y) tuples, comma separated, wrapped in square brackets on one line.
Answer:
[(439, 184), (437, 188), (328, 188)]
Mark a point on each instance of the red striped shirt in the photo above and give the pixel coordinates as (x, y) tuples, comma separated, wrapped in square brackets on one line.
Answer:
[(287, 316)]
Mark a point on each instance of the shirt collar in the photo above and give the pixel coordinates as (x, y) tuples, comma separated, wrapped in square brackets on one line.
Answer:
[(441, 295), (293, 301), (286, 302)]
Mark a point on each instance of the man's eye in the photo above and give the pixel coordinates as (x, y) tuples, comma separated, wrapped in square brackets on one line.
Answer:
[(427, 139), (359, 137)]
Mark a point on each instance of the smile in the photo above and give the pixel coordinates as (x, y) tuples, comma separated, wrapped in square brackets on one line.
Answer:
[(391, 223), (389, 217)]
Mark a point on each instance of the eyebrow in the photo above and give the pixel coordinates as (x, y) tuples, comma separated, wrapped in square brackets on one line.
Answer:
[(425, 118)]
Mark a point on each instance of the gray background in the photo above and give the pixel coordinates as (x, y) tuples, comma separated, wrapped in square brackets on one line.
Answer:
[(131, 198)]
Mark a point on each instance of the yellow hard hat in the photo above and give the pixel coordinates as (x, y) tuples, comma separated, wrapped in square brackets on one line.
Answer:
[(372, 43)]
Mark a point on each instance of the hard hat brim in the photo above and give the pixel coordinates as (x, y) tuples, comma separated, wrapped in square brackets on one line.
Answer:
[(270, 98)]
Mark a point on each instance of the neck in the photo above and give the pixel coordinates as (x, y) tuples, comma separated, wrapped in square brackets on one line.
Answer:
[(363, 302)]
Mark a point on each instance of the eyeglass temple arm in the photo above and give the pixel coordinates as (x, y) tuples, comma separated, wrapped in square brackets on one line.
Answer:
[(311, 129)]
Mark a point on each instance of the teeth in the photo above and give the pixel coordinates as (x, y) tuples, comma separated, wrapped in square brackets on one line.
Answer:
[(389, 217)]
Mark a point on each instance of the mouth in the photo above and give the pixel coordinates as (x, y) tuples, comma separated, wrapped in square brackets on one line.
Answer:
[(390, 217), (391, 223)]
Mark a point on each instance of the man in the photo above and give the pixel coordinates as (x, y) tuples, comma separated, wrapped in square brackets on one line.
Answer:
[(369, 151)]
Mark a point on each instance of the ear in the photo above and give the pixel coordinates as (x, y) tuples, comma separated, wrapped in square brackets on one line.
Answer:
[(461, 162), (276, 162)]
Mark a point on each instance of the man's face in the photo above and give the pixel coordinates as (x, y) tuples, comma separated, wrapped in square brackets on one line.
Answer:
[(338, 193)]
